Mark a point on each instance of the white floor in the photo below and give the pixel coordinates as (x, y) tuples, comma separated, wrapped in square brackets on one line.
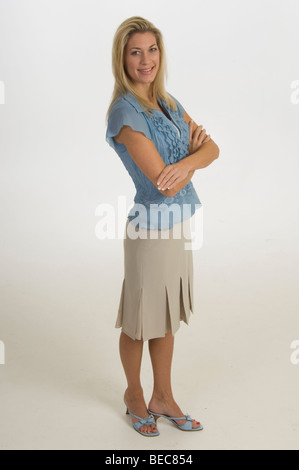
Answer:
[(62, 384)]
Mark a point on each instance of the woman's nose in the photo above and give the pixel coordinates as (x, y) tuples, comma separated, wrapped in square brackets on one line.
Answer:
[(144, 58)]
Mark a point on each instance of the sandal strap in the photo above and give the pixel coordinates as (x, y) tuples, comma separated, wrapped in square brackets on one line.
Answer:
[(144, 421), (187, 417), (185, 427)]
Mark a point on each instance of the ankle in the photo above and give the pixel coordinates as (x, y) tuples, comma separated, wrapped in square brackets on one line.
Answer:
[(134, 393), (162, 396)]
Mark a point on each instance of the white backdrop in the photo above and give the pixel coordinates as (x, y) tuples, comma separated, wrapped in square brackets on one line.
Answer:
[(232, 65)]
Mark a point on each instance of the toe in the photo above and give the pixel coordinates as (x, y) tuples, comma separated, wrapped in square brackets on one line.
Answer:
[(146, 429)]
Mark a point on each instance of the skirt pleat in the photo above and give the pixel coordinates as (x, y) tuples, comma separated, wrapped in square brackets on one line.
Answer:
[(157, 289)]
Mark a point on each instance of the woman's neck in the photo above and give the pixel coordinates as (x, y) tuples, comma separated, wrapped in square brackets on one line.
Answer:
[(147, 93)]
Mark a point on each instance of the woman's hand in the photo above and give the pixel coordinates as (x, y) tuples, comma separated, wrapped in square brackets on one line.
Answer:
[(177, 172), (173, 175), (197, 138)]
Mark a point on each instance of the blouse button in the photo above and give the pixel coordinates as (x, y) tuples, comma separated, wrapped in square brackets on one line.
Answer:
[(183, 192)]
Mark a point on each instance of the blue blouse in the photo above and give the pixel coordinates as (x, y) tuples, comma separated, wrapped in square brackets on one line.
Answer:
[(153, 210)]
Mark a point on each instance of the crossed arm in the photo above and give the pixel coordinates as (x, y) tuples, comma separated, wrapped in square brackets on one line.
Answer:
[(204, 155), (175, 177)]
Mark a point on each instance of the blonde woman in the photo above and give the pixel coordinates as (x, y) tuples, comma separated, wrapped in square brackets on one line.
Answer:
[(161, 148)]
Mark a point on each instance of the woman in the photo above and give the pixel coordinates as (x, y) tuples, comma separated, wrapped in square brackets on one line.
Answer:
[(161, 148)]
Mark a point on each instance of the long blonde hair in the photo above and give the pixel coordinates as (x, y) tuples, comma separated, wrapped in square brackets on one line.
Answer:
[(123, 83)]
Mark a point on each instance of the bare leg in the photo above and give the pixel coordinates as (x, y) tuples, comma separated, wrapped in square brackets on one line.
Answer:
[(131, 357), (162, 401)]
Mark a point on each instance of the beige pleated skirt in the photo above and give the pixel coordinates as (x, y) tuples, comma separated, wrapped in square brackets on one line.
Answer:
[(157, 290)]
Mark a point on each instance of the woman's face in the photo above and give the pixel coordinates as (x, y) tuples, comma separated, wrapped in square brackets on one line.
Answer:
[(142, 59)]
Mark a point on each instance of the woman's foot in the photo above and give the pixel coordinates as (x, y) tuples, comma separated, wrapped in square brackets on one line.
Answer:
[(167, 406), (135, 403)]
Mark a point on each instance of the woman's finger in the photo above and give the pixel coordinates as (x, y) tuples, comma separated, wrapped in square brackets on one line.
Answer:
[(177, 181), (164, 174), (190, 130), (207, 138), (172, 179), (197, 132), (202, 136), (170, 182), (165, 180)]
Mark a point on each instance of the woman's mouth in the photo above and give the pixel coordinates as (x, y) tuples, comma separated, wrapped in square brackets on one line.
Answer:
[(146, 71)]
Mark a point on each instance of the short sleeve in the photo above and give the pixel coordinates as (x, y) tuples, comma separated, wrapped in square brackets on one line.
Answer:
[(181, 110), (125, 115)]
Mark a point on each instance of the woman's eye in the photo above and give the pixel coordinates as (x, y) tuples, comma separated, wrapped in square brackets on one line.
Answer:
[(153, 49)]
